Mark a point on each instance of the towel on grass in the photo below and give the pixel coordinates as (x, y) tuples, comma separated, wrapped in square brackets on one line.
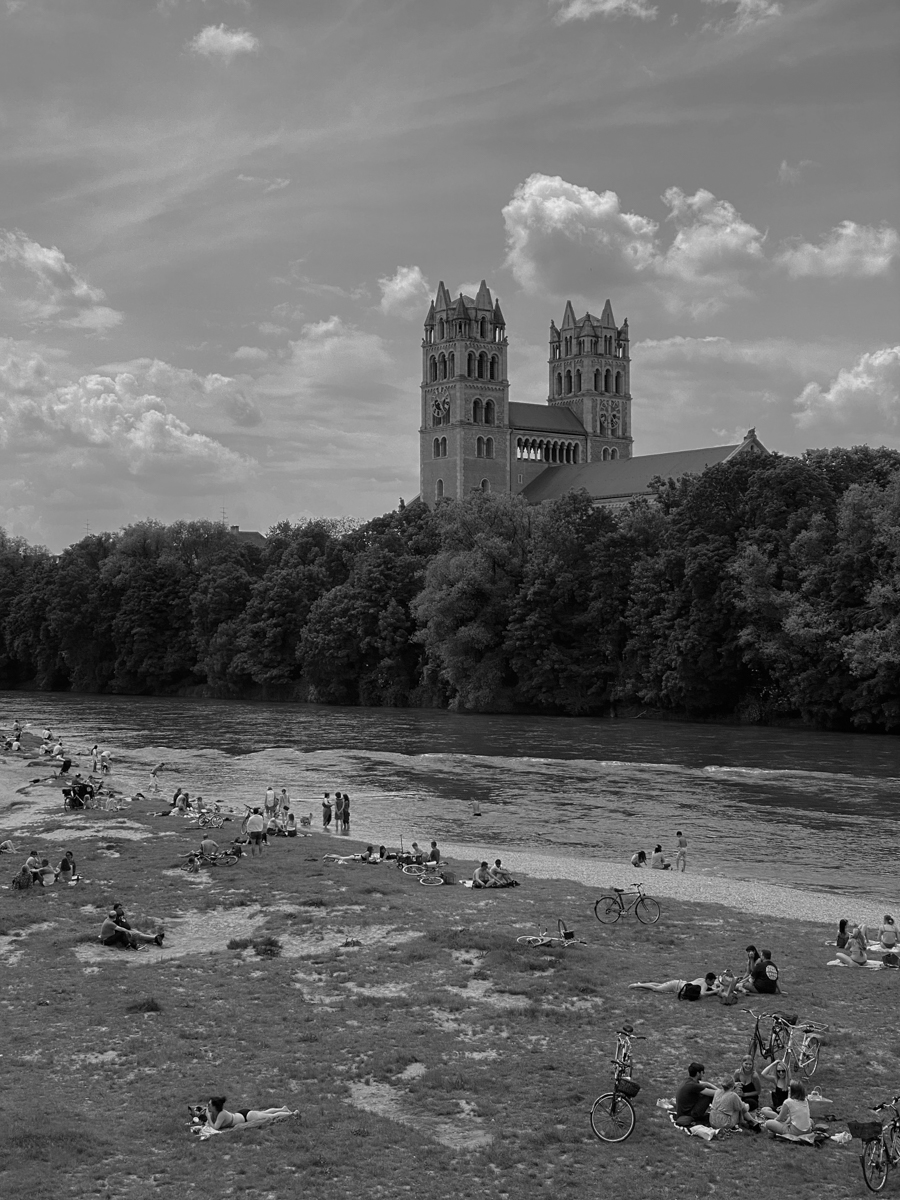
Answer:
[(207, 1131)]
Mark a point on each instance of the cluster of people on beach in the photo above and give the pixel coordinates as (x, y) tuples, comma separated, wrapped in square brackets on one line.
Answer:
[(657, 861), (340, 810), (760, 978), (857, 943), (736, 1101), (37, 871)]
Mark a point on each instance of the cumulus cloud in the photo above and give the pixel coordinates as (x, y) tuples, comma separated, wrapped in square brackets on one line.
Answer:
[(212, 400), (747, 13), (39, 287), (250, 354), (583, 10), (217, 41), (712, 254), (864, 398), (849, 251), (404, 293), (564, 238), (333, 361)]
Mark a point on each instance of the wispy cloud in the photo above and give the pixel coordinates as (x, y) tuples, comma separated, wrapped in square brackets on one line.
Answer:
[(789, 174), (583, 10), (38, 287), (217, 41), (268, 185), (747, 14)]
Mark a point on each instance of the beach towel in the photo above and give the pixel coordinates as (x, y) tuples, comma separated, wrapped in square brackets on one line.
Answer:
[(706, 1132), (207, 1131)]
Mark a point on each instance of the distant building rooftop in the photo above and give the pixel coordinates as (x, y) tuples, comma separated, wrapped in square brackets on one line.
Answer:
[(250, 536)]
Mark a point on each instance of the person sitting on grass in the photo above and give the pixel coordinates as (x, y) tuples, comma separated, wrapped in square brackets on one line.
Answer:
[(67, 871), (693, 1098), (501, 876), (23, 881), (763, 977), (854, 953), (706, 983), (113, 934), (218, 1116), (33, 863), (728, 1110), (208, 847), (884, 938), (482, 877), (778, 1076), (793, 1116), (434, 854), (47, 873), (290, 825), (842, 935), (747, 1079)]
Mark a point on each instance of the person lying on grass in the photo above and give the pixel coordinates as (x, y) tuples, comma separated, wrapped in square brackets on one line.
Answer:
[(7, 847), (793, 1117), (113, 934), (218, 1116), (707, 984), (728, 1110)]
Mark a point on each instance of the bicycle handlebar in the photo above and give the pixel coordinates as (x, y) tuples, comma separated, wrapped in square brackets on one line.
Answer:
[(885, 1104)]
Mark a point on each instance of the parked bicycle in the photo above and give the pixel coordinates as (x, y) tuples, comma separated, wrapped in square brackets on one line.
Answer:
[(796, 1043), (428, 874), (612, 1114), (193, 862), (562, 938), (608, 909), (881, 1144)]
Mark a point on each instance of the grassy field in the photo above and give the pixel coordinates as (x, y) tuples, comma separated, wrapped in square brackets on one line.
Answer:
[(426, 1050)]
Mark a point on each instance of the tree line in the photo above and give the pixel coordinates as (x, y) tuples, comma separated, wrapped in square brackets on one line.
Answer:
[(767, 588)]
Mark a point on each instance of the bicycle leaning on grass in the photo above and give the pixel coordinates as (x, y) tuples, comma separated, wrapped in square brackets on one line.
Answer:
[(795, 1042), (197, 859), (612, 1115), (428, 874), (608, 908), (881, 1144)]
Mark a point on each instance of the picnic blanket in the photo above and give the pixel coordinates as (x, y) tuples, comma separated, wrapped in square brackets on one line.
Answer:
[(815, 1137), (207, 1131)]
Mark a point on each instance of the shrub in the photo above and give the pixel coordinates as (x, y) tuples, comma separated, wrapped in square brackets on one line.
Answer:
[(239, 943), (267, 946), (147, 1005)]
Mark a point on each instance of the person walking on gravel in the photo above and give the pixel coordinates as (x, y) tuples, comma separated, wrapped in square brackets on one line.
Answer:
[(681, 852)]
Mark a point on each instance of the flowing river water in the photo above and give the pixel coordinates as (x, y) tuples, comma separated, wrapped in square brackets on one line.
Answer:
[(795, 807)]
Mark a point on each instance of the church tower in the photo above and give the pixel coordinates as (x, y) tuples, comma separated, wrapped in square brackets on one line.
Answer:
[(590, 373), (464, 441)]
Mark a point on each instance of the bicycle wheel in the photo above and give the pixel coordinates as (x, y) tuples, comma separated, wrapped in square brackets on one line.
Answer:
[(607, 910), (809, 1056), (612, 1117), (875, 1164), (226, 860), (647, 911), (413, 869), (431, 879)]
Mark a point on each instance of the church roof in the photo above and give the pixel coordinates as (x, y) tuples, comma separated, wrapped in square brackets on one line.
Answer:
[(544, 418), (622, 477)]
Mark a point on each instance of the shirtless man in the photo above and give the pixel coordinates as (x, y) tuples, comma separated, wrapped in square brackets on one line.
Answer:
[(706, 983), (482, 877), (681, 852)]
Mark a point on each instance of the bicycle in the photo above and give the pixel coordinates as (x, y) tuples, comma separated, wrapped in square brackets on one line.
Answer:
[(193, 862), (612, 1114), (779, 1036), (804, 1059), (426, 873), (881, 1144), (212, 820), (608, 909), (565, 937)]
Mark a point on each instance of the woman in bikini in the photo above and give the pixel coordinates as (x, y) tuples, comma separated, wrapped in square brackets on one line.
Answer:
[(218, 1116)]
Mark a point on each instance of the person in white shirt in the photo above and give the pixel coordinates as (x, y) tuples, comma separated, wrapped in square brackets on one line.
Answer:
[(255, 827), (793, 1116)]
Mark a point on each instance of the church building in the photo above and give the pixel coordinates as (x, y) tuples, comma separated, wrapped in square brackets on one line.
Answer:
[(472, 436)]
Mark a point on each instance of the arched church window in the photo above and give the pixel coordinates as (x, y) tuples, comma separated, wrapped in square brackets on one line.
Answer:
[(439, 490), (470, 366), (576, 453), (518, 448), (451, 364), (437, 447), (440, 331), (596, 381), (568, 382), (479, 447), (432, 369), (429, 335), (483, 328), (614, 453), (618, 383), (478, 411), (559, 383), (482, 365), (489, 412), (495, 367), (485, 486), (602, 425), (442, 366), (489, 447), (607, 382), (459, 328), (606, 453), (578, 382), (443, 447)]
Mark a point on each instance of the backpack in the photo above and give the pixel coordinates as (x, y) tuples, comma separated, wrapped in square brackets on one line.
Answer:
[(689, 991), (891, 960)]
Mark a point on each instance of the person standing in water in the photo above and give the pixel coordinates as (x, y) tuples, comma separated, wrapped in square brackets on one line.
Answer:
[(681, 854), (476, 808), (338, 811), (326, 811), (345, 814)]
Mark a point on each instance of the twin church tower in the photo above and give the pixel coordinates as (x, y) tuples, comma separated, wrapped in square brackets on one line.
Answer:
[(473, 436)]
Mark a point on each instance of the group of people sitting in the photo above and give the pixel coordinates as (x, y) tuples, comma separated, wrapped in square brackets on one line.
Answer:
[(493, 877), (854, 944), (38, 872), (761, 977), (117, 933), (736, 1101)]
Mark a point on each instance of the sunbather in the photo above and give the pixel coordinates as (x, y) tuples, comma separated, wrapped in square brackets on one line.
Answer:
[(501, 876), (706, 983), (482, 877), (884, 938), (218, 1116)]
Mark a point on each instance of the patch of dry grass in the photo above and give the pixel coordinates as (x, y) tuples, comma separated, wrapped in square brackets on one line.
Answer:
[(425, 1048)]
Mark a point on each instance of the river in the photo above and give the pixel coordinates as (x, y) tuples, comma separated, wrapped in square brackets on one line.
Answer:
[(796, 807)]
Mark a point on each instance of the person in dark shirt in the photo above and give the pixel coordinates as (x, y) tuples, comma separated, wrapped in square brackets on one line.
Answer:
[(693, 1098), (764, 976)]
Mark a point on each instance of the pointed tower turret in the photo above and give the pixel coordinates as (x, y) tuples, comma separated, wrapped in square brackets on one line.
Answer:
[(483, 299), (606, 317)]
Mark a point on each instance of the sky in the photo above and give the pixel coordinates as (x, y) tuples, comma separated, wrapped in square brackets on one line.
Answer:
[(222, 221)]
